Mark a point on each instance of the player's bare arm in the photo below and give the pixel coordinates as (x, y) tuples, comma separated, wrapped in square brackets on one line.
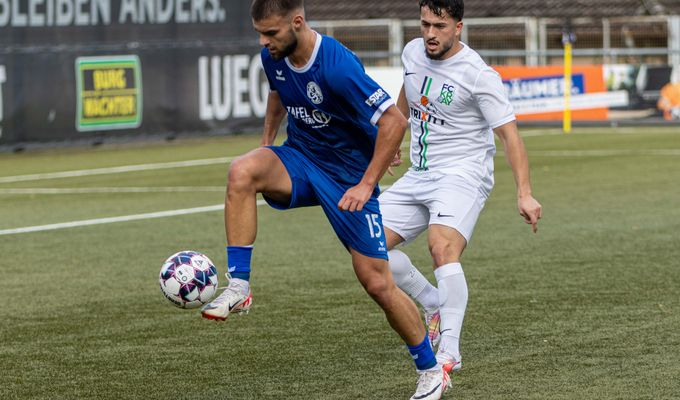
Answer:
[(402, 105), (515, 152), (272, 120), (391, 128)]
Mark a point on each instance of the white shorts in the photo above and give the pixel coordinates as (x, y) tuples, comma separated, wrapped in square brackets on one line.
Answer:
[(423, 198)]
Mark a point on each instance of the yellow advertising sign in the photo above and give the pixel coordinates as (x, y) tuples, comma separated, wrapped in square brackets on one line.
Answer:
[(109, 93)]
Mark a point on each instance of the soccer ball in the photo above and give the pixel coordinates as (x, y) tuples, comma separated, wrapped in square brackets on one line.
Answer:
[(188, 279)]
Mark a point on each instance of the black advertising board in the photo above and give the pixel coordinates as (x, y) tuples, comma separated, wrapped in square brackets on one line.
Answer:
[(73, 69)]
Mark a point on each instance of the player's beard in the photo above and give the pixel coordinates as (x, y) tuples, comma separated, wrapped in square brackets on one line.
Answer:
[(438, 55), (288, 49)]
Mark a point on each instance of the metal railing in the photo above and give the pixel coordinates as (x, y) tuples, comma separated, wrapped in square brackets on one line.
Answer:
[(523, 40)]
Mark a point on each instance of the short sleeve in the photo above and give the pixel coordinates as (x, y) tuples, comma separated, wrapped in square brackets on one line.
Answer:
[(350, 81), (408, 54), (264, 56), (492, 99)]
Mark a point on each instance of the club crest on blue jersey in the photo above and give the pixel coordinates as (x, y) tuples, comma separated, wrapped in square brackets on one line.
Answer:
[(314, 92)]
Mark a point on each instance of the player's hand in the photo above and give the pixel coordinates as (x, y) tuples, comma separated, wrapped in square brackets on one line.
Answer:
[(396, 161), (530, 209), (355, 197)]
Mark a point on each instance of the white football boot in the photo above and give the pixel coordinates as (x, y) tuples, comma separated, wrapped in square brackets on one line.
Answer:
[(235, 299), (450, 362), (453, 365), (432, 384)]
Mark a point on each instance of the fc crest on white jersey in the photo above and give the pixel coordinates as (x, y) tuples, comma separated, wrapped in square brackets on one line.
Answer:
[(454, 106)]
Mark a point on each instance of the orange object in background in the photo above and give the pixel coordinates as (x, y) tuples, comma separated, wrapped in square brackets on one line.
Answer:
[(585, 78), (670, 100)]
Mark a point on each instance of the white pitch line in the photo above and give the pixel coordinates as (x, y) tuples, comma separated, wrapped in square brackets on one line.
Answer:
[(125, 168), (115, 170), (588, 132), (194, 163), (542, 132), (605, 152), (167, 189), (125, 218), (110, 220)]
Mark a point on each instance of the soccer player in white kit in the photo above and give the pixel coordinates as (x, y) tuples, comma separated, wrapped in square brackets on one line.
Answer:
[(455, 103)]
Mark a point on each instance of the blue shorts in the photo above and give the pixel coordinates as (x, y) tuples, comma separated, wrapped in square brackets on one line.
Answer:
[(359, 230)]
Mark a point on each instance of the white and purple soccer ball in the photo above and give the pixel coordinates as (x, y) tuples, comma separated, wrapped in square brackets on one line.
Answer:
[(188, 279)]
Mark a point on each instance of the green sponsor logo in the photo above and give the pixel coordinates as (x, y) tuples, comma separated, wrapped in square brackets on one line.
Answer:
[(446, 94)]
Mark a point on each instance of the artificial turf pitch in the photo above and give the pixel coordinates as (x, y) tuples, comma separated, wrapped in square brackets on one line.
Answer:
[(588, 308)]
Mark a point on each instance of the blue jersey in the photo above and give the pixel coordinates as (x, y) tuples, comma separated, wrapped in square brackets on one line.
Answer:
[(332, 107)]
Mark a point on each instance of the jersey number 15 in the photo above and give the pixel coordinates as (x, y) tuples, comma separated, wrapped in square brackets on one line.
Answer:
[(373, 225)]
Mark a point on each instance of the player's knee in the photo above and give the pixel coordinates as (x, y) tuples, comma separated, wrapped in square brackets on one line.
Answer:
[(400, 265), (444, 252), (240, 175), (378, 289)]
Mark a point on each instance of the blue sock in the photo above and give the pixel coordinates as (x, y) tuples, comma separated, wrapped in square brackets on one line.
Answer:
[(423, 355), (238, 261)]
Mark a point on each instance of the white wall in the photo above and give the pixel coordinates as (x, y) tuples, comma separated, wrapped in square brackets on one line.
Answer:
[(389, 78)]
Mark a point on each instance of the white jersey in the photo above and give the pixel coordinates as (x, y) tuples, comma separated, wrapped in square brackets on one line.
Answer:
[(454, 104)]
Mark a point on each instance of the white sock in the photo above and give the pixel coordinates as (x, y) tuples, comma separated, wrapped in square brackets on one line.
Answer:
[(428, 298), (453, 297), (412, 282)]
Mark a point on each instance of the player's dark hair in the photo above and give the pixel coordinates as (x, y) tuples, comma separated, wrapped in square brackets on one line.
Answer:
[(261, 9), (454, 8)]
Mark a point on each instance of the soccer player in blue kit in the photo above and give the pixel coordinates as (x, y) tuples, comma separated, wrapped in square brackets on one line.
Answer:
[(334, 157)]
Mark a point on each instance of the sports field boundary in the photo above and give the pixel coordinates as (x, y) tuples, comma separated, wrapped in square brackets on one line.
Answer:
[(124, 218), (110, 220), (114, 189), (116, 170)]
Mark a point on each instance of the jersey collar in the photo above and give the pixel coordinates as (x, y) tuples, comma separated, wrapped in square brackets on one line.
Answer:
[(306, 67), (458, 56)]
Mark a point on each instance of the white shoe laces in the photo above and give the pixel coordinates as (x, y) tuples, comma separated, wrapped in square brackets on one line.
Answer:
[(444, 356), (427, 379), (233, 291)]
